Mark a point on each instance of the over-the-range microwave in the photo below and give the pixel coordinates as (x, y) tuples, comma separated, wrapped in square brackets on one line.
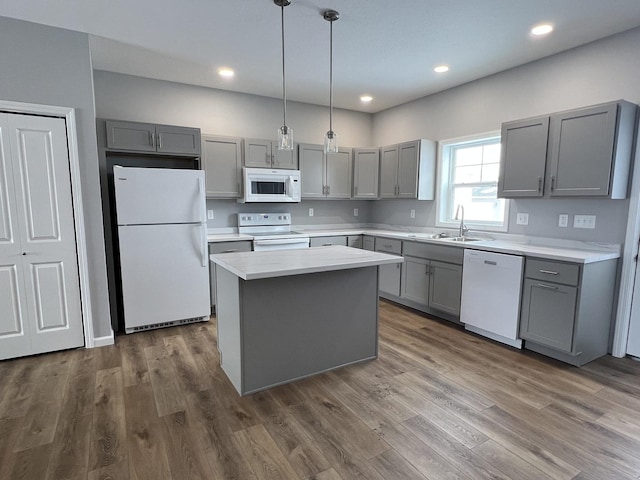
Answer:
[(271, 185)]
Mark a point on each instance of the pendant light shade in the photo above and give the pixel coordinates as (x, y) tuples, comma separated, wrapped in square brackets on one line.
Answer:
[(285, 134), (331, 138)]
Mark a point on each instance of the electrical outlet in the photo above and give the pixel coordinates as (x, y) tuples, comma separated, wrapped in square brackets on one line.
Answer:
[(210, 215), (584, 221), (412, 214), (522, 219), (311, 212), (563, 220), (355, 212)]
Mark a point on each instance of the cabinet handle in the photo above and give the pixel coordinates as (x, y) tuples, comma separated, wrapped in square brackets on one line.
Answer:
[(397, 265), (328, 189), (327, 244), (426, 270), (152, 139), (553, 182), (490, 262), (356, 190), (159, 141), (548, 287), (539, 184), (548, 272), (230, 251), (387, 246)]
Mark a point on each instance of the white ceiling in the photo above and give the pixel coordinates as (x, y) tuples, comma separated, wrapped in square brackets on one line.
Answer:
[(384, 48)]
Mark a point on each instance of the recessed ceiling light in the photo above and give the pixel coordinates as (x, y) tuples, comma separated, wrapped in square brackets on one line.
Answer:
[(542, 29), (226, 72), (441, 69), (366, 98)]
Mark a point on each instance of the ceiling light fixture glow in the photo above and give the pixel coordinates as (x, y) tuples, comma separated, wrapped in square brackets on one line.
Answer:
[(441, 69), (226, 72), (366, 98), (542, 29)]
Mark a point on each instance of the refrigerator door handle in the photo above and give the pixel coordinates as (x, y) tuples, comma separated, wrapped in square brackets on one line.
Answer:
[(204, 244), (203, 214)]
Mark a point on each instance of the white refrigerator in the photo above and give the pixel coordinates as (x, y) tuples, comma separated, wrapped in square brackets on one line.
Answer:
[(162, 239)]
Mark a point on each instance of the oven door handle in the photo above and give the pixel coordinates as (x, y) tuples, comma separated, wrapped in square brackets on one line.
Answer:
[(281, 241)]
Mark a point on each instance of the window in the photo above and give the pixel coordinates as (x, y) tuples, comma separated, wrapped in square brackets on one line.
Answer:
[(469, 169)]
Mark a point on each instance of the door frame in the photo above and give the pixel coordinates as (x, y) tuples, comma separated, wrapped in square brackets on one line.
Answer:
[(69, 114), (629, 262)]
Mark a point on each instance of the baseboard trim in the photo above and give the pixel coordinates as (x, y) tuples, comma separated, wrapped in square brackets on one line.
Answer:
[(103, 341)]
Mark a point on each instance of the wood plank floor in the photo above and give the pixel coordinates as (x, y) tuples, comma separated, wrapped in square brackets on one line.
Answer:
[(438, 403)]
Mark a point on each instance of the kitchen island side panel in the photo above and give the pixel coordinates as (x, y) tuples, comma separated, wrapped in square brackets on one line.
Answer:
[(229, 317), (299, 325)]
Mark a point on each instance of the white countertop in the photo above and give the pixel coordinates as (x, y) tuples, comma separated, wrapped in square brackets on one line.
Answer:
[(568, 251), (280, 263)]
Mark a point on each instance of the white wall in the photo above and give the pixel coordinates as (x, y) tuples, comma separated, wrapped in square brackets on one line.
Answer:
[(595, 73), (50, 66)]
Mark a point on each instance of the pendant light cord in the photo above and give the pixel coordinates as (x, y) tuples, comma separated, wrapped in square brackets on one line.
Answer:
[(331, 76), (284, 82)]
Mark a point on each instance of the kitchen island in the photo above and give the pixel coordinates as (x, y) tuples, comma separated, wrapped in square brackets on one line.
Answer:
[(285, 315)]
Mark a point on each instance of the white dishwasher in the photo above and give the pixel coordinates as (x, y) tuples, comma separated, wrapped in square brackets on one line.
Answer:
[(491, 284)]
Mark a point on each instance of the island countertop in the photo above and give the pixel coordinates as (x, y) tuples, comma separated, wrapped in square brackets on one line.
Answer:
[(280, 263)]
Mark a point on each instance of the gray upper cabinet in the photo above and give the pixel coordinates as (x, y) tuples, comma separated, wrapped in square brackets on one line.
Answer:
[(265, 154), (222, 163), (523, 158), (581, 153), (590, 151), (148, 137), (366, 165), (408, 170), (325, 176)]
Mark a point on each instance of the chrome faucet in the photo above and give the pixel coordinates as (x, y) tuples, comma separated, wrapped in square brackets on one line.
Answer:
[(460, 213)]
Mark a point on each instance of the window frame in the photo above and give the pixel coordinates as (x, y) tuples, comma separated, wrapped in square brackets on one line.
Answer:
[(444, 195)]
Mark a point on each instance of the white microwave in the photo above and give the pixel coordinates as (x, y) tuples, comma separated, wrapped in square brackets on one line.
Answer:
[(269, 185)]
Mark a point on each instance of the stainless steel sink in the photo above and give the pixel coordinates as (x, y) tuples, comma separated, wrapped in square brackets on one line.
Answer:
[(424, 235), (462, 239)]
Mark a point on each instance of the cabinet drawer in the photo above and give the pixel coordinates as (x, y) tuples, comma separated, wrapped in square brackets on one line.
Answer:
[(388, 245), (436, 252), (556, 272), (325, 241), (228, 247)]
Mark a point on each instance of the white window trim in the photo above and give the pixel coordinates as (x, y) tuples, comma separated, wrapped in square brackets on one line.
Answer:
[(442, 184)]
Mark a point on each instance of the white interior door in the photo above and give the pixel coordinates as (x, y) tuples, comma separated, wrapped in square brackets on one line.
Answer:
[(38, 259)]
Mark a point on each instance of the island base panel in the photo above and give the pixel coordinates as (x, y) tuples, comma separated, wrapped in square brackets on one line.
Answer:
[(296, 326)]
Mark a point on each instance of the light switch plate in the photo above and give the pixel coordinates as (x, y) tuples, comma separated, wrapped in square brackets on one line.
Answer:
[(412, 213), (355, 212), (584, 221), (522, 219), (210, 215), (563, 220), (311, 212)]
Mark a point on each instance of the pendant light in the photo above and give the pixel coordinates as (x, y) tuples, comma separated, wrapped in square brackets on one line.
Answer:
[(285, 134), (331, 138)]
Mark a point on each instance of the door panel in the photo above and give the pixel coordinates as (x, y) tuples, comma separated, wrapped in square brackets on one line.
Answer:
[(257, 153), (312, 166), (388, 172), (11, 321), (339, 173), (445, 289), (46, 231), (408, 170)]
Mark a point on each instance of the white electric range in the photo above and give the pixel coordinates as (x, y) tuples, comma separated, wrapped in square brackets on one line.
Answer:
[(271, 231)]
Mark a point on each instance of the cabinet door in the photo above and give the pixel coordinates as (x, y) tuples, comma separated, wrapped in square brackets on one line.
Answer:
[(389, 279), (285, 159), (415, 280), (312, 167), (388, 171), (354, 241), (408, 155), (366, 165), (221, 162), (140, 137), (548, 313), (339, 174), (368, 243), (523, 158), (445, 288), (257, 153), (178, 140), (223, 247), (581, 153)]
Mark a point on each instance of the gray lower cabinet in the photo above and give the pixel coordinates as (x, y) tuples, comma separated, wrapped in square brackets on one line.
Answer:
[(223, 247), (222, 164), (366, 167), (567, 309), (354, 241), (368, 243), (389, 275), (326, 241), (149, 137), (265, 154)]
